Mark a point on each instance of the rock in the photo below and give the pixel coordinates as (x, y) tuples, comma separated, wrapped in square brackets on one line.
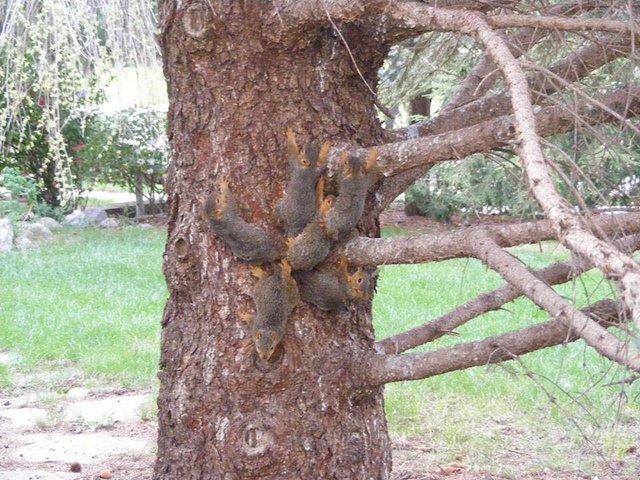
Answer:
[(109, 223), (75, 219), (75, 467), (106, 474), (125, 408), (6, 235), (35, 231), (84, 448), (50, 223), (30, 234), (23, 417), (23, 243), (95, 216)]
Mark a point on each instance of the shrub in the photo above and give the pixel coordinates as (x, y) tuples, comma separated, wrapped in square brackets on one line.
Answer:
[(129, 149)]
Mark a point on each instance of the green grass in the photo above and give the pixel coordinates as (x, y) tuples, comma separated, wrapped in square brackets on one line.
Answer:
[(91, 297), (475, 416), (93, 300), (5, 381)]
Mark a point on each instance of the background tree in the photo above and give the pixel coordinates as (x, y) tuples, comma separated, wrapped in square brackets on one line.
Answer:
[(239, 75), (57, 57)]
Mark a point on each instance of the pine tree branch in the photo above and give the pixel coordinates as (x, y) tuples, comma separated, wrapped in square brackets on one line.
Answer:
[(510, 268), (572, 68), (477, 82), (569, 228), (563, 23), (555, 274), (404, 162), (380, 369), (571, 231), (371, 252)]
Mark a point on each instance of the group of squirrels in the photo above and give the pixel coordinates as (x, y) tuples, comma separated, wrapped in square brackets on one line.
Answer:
[(312, 223)]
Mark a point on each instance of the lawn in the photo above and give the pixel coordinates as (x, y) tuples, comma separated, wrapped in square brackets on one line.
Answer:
[(92, 300)]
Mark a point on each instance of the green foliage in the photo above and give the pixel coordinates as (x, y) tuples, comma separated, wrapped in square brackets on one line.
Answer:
[(23, 196), (128, 149), (56, 59), (21, 186), (21, 192), (470, 188)]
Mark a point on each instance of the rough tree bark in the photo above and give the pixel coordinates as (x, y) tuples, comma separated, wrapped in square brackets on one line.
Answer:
[(240, 74), (235, 87)]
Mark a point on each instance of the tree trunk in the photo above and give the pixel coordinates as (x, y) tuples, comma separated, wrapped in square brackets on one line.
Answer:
[(139, 191), (235, 85)]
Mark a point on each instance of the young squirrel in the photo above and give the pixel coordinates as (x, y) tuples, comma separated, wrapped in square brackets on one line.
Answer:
[(353, 184), (275, 297), (247, 241), (312, 246), (330, 290), (297, 207)]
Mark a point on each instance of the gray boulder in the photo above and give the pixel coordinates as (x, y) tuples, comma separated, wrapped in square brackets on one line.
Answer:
[(95, 216), (31, 234), (50, 223), (75, 219), (6, 235), (109, 223), (35, 231), (23, 243)]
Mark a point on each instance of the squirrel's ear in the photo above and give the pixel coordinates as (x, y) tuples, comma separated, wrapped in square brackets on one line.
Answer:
[(343, 265), (344, 160), (286, 268), (319, 192), (372, 159), (323, 154), (292, 146), (257, 271)]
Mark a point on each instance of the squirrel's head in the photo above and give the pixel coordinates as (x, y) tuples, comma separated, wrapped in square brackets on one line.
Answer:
[(360, 285), (351, 165), (325, 207), (308, 156), (266, 342)]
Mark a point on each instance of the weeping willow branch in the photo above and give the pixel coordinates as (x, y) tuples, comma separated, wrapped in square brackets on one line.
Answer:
[(56, 59)]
